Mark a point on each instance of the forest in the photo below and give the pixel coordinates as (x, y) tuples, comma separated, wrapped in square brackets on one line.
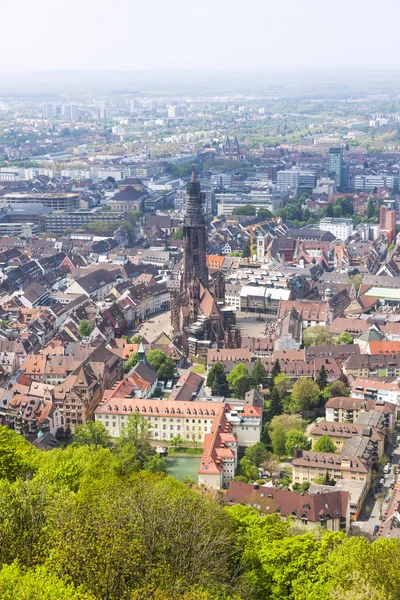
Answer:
[(92, 523)]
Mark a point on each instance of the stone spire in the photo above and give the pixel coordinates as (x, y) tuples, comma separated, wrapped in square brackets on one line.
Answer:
[(194, 216)]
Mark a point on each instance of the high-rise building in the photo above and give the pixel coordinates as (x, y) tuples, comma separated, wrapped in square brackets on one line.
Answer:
[(340, 228), (387, 223), (337, 168), (47, 111)]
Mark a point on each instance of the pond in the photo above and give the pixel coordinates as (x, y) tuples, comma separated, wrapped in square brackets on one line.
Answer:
[(182, 467)]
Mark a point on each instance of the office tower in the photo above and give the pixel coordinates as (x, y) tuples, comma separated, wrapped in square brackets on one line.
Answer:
[(47, 111), (74, 111), (336, 165), (101, 113)]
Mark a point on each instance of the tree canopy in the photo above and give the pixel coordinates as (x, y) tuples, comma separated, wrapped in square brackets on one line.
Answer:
[(324, 444), (317, 335), (161, 363)]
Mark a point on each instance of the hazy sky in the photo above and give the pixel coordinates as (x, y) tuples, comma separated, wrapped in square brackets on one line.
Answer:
[(198, 34)]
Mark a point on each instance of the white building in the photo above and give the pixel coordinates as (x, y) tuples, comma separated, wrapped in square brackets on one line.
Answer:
[(340, 228)]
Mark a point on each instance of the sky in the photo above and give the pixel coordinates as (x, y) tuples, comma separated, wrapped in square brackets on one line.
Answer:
[(198, 35)]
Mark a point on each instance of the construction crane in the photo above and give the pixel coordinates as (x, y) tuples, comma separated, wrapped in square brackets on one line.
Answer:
[(251, 229)]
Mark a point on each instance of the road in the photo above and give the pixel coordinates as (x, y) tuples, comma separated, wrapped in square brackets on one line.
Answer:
[(378, 505)]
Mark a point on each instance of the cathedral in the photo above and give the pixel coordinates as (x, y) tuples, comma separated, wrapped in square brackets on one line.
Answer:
[(199, 318)]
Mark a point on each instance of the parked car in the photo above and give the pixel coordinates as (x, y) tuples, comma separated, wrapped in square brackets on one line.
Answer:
[(386, 469), (378, 489), (382, 480), (392, 483), (387, 498), (376, 529)]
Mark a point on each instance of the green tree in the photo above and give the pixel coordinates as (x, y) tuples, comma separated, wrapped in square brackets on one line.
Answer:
[(239, 380), (322, 378), (276, 369), (256, 453), (93, 433), (295, 438), (258, 373), (246, 251), (356, 281), (344, 338), (156, 464), (264, 213), (178, 233), (161, 363), (135, 439), (391, 247), (324, 444), (275, 403), (131, 362), (217, 381), (282, 384), (176, 441), (37, 584), (370, 208), (136, 339), (278, 440), (248, 210), (305, 395), (85, 328), (317, 335), (337, 388)]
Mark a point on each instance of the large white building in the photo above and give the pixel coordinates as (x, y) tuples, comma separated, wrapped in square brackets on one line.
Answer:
[(219, 426), (340, 228)]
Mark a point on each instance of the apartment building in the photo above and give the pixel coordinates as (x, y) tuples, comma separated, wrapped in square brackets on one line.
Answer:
[(311, 466), (330, 509), (340, 228), (339, 433), (375, 389), (348, 410), (372, 365)]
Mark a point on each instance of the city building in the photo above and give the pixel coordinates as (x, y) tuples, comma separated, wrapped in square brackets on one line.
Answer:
[(60, 222), (340, 228), (337, 167), (387, 223)]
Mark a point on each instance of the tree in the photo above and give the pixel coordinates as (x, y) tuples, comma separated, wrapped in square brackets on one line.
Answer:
[(258, 373), (239, 380), (246, 251), (344, 338), (93, 433), (216, 380), (337, 388), (324, 444), (317, 335), (85, 328), (256, 453), (390, 249), (162, 364), (270, 463), (276, 369), (156, 464), (264, 213), (176, 441), (131, 362), (370, 208), (322, 378), (278, 440), (178, 233), (136, 438), (275, 403), (305, 395), (248, 210), (136, 339), (37, 584), (356, 281), (282, 384), (295, 438)]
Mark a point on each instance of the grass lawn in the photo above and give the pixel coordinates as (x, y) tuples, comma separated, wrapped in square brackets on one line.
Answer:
[(199, 369)]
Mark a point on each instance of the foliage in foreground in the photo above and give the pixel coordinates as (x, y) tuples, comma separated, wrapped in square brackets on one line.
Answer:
[(86, 523)]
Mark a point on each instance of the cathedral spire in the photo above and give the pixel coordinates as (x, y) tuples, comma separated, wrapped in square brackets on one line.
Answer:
[(193, 177)]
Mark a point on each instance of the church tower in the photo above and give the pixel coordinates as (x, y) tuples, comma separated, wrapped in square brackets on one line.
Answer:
[(194, 237), (260, 247)]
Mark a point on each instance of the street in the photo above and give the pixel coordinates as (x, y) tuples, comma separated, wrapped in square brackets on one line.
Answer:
[(369, 517)]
